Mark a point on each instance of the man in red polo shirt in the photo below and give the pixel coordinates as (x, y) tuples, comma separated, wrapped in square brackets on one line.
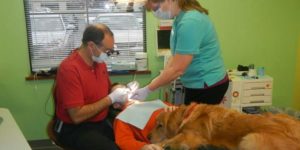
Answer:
[(82, 94)]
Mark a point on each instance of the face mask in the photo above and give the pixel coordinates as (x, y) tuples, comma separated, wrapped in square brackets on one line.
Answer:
[(101, 58), (162, 14)]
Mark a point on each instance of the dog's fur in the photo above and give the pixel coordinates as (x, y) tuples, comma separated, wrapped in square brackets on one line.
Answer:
[(215, 125)]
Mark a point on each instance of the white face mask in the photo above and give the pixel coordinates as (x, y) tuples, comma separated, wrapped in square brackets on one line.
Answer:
[(99, 59), (162, 14)]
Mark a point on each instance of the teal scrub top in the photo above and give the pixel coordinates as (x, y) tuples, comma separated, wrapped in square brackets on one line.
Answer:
[(193, 34)]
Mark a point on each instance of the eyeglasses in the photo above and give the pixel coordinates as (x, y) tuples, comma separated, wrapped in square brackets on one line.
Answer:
[(109, 51)]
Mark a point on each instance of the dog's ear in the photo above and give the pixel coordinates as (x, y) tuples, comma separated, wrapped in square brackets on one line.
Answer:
[(207, 125), (203, 116), (174, 121)]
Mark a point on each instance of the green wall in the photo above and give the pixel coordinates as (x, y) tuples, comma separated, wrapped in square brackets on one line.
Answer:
[(263, 32), (297, 86)]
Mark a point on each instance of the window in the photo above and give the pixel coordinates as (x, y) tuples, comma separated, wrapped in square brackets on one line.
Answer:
[(55, 28), (52, 6)]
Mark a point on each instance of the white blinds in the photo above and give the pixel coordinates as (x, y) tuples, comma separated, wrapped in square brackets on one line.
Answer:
[(55, 28)]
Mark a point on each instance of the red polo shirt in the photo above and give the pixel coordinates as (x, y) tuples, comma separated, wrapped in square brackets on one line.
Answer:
[(78, 84)]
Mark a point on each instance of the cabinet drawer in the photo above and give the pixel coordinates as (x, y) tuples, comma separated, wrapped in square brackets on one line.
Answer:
[(257, 85), (256, 99), (258, 92)]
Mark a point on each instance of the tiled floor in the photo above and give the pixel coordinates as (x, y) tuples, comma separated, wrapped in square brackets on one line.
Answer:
[(44, 144)]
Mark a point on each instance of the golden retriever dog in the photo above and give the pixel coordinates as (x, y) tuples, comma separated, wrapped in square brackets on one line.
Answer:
[(196, 125)]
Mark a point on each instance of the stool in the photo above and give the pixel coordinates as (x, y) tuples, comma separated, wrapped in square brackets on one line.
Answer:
[(52, 135)]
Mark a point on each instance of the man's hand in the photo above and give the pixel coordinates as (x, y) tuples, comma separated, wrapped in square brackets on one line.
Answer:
[(151, 147), (119, 95)]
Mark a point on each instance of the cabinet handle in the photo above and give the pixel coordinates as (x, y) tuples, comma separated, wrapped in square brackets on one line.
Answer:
[(257, 95), (256, 88), (259, 101)]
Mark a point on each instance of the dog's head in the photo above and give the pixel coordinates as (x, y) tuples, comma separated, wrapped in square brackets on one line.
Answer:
[(193, 117), (167, 125)]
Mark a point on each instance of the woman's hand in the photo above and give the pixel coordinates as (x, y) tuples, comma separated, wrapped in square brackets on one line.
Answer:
[(141, 94), (151, 147)]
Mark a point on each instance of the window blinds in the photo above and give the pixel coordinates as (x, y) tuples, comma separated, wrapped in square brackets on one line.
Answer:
[(55, 28)]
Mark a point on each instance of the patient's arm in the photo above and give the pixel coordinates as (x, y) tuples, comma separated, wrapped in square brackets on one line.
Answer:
[(125, 137), (151, 147)]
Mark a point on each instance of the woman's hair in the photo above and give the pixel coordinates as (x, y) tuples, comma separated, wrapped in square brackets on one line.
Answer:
[(184, 5), (95, 33)]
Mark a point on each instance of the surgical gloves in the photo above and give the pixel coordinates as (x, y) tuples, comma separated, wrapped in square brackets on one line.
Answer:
[(141, 94), (119, 95)]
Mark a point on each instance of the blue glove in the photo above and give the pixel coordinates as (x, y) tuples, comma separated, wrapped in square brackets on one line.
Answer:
[(141, 94)]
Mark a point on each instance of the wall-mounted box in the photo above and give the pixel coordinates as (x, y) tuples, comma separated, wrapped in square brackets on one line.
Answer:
[(163, 42), (163, 34)]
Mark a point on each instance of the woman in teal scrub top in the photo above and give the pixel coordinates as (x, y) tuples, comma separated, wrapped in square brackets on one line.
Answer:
[(196, 55)]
